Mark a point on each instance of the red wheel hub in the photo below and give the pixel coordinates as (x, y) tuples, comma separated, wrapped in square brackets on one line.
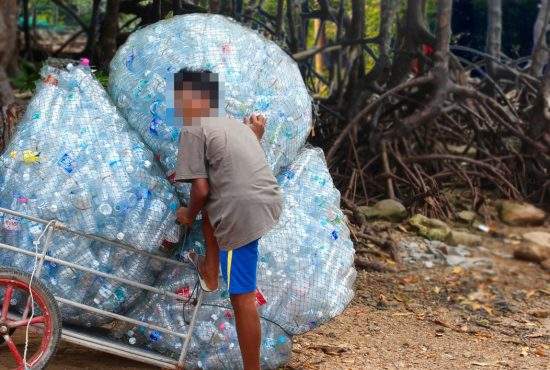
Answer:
[(41, 320)]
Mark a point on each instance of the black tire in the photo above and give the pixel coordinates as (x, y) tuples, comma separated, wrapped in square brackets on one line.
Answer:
[(51, 305), (2, 341)]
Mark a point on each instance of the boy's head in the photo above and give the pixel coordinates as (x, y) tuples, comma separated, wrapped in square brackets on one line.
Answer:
[(195, 95)]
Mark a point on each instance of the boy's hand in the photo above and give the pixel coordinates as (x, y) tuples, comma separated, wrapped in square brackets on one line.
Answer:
[(182, 215), (256, 124)]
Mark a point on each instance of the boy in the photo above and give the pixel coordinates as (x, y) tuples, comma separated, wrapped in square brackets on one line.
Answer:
[(236, 192)]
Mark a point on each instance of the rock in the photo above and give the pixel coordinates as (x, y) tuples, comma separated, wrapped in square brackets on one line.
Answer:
[(462, 150), (538, 237), (387, 209), (546, 264), (466, 216), (540, 314), (520, 214), (430, 228), (469, 262), (457, 237), (532, 252)]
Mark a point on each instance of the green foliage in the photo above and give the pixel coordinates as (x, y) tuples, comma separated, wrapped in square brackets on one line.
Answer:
[(270, 6), (26, 78), (102, 77), (49, 15)]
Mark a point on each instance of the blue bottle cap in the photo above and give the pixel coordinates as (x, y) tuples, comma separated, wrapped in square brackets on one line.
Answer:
[(155, 336)]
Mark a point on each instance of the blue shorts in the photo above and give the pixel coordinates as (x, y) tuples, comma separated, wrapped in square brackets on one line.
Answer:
[(239, 268)]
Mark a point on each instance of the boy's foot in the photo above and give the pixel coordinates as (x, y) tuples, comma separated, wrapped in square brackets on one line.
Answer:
[(207, 283)]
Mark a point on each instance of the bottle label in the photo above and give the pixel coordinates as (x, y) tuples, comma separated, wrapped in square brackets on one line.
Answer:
[(66, 163), (260, 298), (51, 80), (11, 224), (171, 176), (184, 291)]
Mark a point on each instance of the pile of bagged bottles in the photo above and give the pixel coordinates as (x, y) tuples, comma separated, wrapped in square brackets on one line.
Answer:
[(100, 164), (74, 158)]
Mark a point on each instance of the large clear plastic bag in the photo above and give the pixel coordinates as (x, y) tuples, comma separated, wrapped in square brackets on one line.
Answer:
[(214, 344), (306, 268), (73, 158), (77, 161), (255, 76), (305, 274)]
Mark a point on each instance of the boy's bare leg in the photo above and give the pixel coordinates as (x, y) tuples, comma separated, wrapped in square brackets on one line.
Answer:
[(209, 267), (248, 328)]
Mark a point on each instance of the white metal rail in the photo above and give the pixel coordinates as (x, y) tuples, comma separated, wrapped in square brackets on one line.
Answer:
[(102, 343)]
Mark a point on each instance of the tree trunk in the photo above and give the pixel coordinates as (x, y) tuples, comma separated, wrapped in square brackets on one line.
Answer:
[(440, 71), (494, 41), (540, 121), (26, 30), (176, 7), (293, 26), (413, 32), (443, 34), (353, 86), (540, 44), (109, 33), (279, 17), (226, 7), (388, 9), (214, 6), (8, 47), (94, 23), (494, 36)]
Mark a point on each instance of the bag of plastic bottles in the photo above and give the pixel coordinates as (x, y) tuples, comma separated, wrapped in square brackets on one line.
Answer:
[(214, 343), (305, 278), (306, 263), (306, 269), (73, 158), (255, 76)]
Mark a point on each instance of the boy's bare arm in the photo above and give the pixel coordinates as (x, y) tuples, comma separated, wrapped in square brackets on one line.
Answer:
[(199, 194), (256, 124)]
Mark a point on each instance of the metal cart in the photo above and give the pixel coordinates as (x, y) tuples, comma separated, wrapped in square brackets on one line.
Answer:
[(47, 323)]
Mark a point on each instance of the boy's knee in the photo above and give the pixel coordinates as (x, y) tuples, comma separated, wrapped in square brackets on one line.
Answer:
[(244, 300)]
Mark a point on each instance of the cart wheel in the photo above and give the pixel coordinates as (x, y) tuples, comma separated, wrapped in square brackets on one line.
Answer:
[(10, 332), (15, 312)]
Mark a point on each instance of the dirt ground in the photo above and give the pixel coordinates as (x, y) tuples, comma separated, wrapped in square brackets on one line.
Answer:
[(418, 318)]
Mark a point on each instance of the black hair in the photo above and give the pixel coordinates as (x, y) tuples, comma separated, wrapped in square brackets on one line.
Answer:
[(201, 80)]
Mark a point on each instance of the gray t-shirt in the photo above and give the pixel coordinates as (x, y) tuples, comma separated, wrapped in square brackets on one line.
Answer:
[(245, 200)]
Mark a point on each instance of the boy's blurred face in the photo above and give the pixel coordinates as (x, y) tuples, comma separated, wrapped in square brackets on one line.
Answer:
[(192, 102)]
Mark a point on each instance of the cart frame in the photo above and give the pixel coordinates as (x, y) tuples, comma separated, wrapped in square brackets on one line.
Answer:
[(101, 343)]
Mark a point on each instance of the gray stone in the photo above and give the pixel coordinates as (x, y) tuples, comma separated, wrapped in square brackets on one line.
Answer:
[(520, 214), (457, 237), (532, 252), (430, 228), (387, 209), (466, 216), (538, 237)]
